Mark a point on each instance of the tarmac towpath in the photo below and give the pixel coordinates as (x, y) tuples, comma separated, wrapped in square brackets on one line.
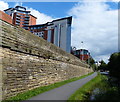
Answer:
[(62, 92)]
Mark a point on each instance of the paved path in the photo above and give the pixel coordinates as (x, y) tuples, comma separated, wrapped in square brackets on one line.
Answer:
[(63, 92)]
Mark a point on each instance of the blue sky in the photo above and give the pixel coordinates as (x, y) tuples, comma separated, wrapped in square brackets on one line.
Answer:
[(94, 23), (56, 9)]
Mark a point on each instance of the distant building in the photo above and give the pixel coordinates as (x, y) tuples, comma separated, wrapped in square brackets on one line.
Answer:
[(57, 32), (20, 16), (82, 54)]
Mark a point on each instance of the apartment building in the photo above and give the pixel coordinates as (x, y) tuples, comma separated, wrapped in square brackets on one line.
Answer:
[(82, 54), (57, 32), (20, 16)]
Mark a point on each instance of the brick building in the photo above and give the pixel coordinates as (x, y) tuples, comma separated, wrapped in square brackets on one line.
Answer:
[(83, 54), (57, 32), (5, 17), (20, 16)]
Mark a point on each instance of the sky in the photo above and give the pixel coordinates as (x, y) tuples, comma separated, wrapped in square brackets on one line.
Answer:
[(95, 23)]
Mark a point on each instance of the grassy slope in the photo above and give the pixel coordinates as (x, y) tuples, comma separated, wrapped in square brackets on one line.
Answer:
[(34, 92), (83, 92), (107, 93)]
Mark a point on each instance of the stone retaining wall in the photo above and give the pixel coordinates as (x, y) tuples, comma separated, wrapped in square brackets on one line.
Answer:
[(28, 62)]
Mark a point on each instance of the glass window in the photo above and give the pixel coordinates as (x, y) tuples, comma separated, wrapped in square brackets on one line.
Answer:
[(78, 52), (75, 53), (31, 28), (85, 52)]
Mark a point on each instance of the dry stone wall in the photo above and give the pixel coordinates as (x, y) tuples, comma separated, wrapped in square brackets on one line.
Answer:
[(28, 62)]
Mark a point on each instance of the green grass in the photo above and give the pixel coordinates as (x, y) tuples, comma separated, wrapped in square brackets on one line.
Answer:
[(82, 93), (106, 93), (34, 92)]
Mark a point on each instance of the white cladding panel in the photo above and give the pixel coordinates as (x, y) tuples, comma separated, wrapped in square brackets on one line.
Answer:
[(62, 35)]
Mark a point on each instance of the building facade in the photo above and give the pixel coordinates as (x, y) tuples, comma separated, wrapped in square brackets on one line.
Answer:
[(57, 32), (5, 17), (82, 54), (20, 16)]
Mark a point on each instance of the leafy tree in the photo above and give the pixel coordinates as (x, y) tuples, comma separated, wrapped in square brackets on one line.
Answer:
[(114, 65), (91, 62), (103, 66)]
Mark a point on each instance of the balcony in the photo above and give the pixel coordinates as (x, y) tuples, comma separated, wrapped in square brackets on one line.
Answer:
[(18, 18), (18, 15), (18, 21), (26, 19), (25, 24), (27, 16)]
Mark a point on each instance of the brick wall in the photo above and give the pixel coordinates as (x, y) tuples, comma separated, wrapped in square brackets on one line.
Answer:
[(28, 62), (32, 20), (5, 17)]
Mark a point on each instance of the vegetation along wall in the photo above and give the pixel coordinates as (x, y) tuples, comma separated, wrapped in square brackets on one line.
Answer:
[(28, 62)]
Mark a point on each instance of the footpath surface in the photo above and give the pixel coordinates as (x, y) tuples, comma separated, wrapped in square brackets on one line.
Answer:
[(63, 92)]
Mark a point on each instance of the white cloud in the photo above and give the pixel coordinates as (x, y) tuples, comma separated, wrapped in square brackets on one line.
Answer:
[(18, 4), (41, 17), (103, 57), (96, 25), (3, 5)]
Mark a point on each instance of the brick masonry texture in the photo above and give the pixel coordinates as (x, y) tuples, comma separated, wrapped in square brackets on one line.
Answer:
[(28, 62), (5, 17)]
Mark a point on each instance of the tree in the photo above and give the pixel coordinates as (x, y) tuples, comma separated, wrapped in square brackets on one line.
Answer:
[(114, 65), (73, 49), (103, 66), (91, 62)]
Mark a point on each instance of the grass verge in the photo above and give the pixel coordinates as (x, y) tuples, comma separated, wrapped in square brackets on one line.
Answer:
[(36, 91), (104, 91), (82, 93)]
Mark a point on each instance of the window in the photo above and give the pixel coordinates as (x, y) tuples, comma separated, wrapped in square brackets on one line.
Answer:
[(25, 28), (75, 53), (85, 52), (78, 52), (31, 31), (41, 34)]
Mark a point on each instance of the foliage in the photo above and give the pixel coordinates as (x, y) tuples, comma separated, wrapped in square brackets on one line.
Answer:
[(103, 66), (82, 93), (105, 93), (109, 88), (114, 65), (94, 67), (92, 64), (91, 61)]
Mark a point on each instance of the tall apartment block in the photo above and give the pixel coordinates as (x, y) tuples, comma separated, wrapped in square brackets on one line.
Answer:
[(57, 32), (20, 16)]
